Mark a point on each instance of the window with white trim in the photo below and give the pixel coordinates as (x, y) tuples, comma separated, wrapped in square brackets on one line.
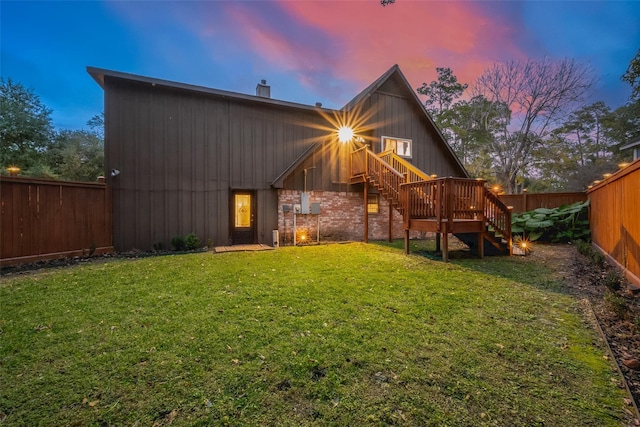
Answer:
[(400, 146)]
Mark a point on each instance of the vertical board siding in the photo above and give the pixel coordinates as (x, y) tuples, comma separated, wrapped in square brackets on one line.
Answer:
[(399, 118), (181, 153), (614, 213), (44, 219)]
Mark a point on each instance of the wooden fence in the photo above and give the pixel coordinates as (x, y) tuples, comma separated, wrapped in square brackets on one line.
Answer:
[(46, 219), (527, 202), (615, 219)]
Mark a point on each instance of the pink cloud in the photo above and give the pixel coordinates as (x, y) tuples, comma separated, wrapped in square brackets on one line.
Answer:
[(419, 36)]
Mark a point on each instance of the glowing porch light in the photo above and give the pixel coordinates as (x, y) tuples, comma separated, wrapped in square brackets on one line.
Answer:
[(433, 176), (13, 170), (345, 134), (606, 175), (597, 181), (623, 165)]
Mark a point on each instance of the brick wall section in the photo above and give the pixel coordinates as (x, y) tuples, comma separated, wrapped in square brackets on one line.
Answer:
[(341, 218)]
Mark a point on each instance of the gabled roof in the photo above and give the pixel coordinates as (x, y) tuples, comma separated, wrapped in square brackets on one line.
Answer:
[(99, 75), (395, 73)]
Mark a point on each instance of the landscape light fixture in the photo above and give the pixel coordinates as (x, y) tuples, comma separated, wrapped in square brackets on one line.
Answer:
[(13, 170)]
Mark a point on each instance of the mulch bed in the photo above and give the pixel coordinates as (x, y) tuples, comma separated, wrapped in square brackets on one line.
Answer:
[(616, 308)]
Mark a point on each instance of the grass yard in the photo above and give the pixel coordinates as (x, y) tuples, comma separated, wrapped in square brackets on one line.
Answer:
[(344, 334)]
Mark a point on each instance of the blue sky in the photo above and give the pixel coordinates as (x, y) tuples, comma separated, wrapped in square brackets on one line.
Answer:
[(308, 51)]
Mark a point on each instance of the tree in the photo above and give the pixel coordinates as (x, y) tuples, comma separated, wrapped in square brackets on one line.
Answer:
[(584, 132), (77, 155), (632, 76), (536, 93), (472, 125), (25, 126), (442, 92), (96, 124)]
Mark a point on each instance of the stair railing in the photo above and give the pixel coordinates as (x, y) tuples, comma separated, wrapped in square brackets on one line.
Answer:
[(498, 215), (385, 176), (404, 167)]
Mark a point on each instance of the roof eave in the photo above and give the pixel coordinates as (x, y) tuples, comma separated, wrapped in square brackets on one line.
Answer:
[(99, 75)]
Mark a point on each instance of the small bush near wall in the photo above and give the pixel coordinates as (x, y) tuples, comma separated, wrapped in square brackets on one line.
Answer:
[(191, 242), (178, 243)]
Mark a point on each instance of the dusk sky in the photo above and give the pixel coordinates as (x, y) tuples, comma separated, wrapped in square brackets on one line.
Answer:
[(308, 51)]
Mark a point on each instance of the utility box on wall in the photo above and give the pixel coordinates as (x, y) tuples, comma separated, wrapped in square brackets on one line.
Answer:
[(315, 208), (304, 202)]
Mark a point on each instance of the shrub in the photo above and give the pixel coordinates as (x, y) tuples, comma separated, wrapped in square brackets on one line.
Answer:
[(616, 304), (584, 247), (613, 280), (191, 241), (178, 243), (562, 224)]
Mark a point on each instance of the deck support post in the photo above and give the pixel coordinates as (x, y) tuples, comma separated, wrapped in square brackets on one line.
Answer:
[(438, 247), (406, 241), (481, 245), (366, 212), (390, 222), (445, 248)]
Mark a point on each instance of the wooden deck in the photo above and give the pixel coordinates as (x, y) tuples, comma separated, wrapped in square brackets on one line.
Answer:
[(460, 206)]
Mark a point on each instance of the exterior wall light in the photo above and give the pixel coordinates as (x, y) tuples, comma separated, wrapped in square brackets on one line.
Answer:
[(345, 134)]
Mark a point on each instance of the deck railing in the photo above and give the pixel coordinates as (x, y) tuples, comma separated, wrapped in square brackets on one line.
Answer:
[(463, 198), (420, 197)]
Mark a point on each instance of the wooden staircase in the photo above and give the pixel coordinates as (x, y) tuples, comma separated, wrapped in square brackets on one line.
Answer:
[(459, 206)]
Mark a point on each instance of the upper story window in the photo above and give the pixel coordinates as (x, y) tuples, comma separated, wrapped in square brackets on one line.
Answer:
[(402, 147)]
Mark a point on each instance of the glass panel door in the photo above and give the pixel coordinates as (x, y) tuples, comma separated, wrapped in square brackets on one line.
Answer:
[(243, 218)]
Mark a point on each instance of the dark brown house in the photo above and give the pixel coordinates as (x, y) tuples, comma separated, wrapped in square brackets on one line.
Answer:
[(232, 168)]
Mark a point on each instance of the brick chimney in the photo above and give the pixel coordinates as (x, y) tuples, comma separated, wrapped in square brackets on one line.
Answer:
[(263, 89)]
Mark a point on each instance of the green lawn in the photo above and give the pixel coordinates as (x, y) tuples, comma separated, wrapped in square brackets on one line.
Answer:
[(344, 334)]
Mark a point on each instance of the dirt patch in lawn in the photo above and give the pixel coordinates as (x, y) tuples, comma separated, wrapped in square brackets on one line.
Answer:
[(616, 308)]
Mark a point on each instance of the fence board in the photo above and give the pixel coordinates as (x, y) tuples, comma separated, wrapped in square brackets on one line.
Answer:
[(614, 218), (527, 202), (44, 219)]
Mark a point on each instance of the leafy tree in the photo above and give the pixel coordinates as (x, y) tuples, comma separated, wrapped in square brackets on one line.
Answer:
[(537, 93), (632, 76), (623, 127), (442, 92), (77, 155), (584, 131), (96, 124), (25, 126), (472, 124)]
